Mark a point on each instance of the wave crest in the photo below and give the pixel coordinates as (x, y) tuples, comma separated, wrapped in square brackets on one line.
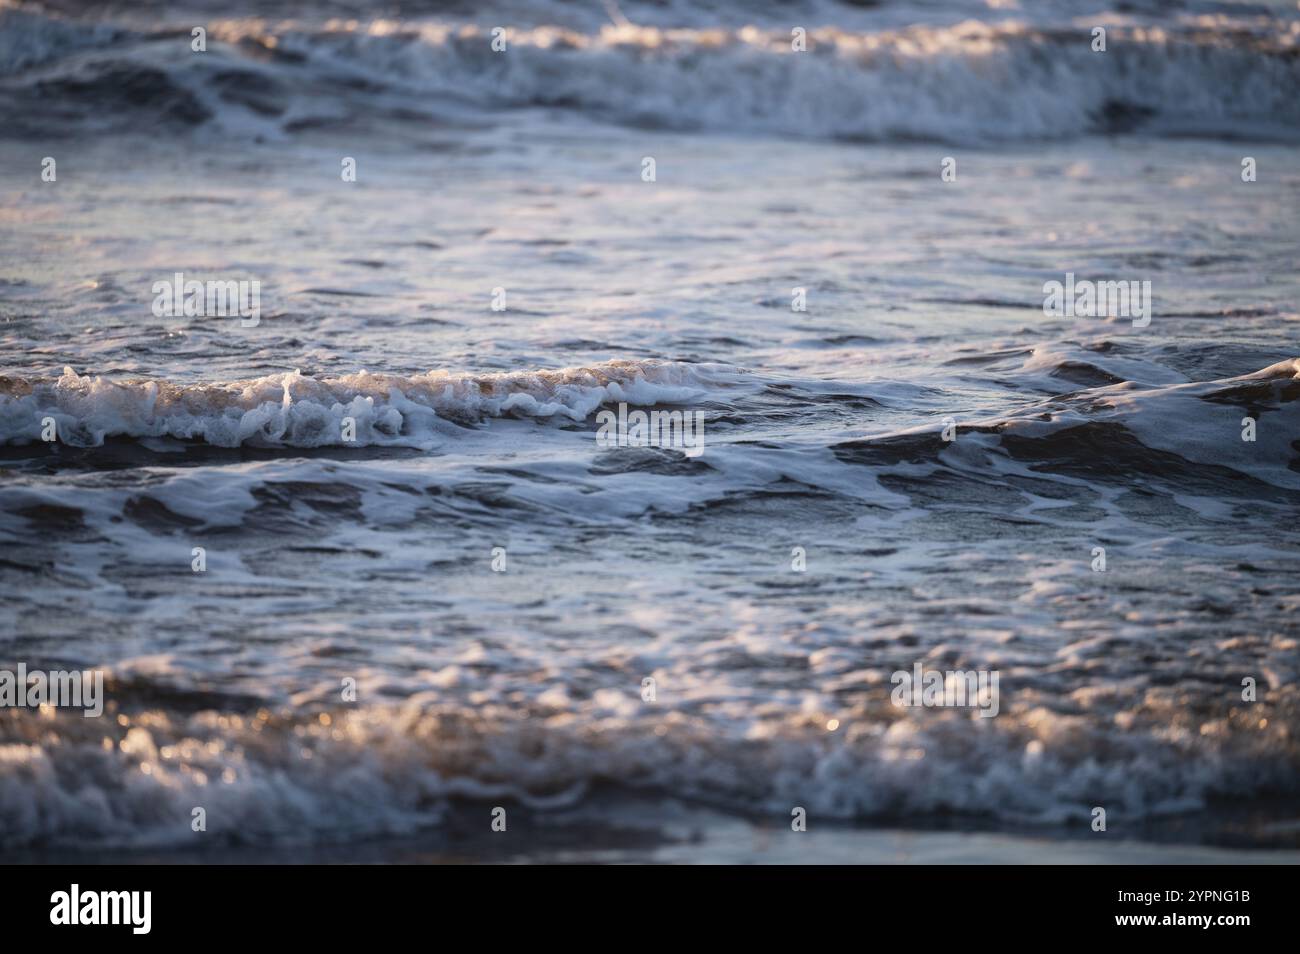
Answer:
[(293, 410)]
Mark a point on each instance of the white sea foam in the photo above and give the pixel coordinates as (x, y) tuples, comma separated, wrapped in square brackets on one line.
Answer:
[(385, 769), (294, 410)]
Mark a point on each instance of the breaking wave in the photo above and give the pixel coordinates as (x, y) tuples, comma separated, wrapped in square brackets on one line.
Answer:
[(294, 410), (269, 774), (969, 82), (1137, 429), (1176, 433)]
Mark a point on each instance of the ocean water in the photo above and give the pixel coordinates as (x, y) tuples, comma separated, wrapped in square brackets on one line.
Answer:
[(916, 468)]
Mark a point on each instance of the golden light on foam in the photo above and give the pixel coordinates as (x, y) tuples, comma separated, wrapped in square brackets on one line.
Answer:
[(324, 718)]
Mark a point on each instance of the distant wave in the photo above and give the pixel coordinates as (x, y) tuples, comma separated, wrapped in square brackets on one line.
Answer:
[(970, 83)]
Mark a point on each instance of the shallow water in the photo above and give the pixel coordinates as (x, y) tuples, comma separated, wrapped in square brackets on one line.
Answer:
[(372, 560)]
